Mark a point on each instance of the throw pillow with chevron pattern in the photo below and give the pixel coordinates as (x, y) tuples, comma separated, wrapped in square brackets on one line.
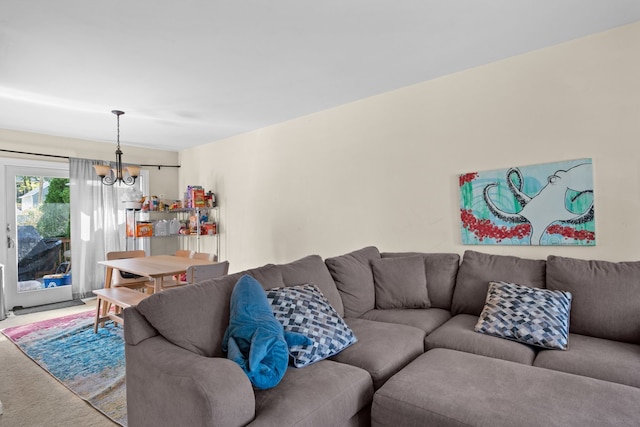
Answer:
[(534, 316), (305, 310)]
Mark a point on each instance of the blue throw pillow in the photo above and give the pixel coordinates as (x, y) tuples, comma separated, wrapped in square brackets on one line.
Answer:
[(532, 316), (254, 339), (304, 309)]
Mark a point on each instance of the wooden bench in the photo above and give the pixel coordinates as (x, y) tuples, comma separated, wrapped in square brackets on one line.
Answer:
[(121, 298)]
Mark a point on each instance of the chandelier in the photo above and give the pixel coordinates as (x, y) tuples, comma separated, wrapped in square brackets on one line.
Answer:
[(112, 176)]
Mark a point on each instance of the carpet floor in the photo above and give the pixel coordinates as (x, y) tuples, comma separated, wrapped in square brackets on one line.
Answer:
[(90, 365)]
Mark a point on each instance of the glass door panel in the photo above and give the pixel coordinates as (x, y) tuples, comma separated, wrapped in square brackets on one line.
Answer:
[(38, 230)]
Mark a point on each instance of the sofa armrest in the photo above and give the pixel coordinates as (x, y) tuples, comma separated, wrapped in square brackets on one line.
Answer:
[(136, 327), (168, 385)]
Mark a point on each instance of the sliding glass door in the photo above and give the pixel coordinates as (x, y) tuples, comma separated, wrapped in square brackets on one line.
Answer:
[(38, 241)]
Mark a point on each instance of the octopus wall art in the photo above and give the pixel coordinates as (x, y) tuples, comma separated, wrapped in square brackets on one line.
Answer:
[(544, 204)]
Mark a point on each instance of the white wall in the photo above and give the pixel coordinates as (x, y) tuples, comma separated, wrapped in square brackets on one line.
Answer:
[(164, 181), (383, 171)]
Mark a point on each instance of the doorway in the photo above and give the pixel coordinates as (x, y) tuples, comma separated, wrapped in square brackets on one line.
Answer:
[(38, 241)]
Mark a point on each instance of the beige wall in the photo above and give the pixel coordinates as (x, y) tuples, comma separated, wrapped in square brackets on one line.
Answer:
[(163, 181), (383, 171)]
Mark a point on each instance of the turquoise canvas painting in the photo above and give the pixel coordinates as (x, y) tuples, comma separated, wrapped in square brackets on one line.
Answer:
[(543, 204)]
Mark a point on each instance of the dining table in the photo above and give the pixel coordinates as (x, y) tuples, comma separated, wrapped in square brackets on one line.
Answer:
[(156, 267)]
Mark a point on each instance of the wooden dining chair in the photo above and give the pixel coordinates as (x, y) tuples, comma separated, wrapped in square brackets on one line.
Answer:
[(128, 280), (176, 280), (204, 255), (198, 273), (185, 253), (124, 279)]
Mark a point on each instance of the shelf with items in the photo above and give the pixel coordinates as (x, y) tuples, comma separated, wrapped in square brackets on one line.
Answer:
[(194, 197), (188, 221), (185, 222), (196, 221), (188, 225)]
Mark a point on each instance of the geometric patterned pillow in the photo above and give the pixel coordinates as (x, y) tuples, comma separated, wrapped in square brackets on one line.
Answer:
[(532, 316), (304, 309)]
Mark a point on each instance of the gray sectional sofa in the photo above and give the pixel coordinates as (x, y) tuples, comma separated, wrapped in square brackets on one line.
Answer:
[(417, 361)]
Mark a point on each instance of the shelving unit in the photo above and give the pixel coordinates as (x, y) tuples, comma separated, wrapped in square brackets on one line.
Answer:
[(192, 241)]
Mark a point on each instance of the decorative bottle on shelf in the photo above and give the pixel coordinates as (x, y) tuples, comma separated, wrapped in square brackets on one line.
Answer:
[(211, 199), (174, 226)]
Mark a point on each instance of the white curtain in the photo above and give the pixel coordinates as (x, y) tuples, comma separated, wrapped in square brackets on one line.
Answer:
[(97, 225)]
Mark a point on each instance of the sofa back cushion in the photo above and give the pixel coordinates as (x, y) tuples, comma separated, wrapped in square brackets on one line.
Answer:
[(400, 282), (193, 317), (606, 296), (311, 269), (478, 269), (269, 276), (441, 270), (353, 277)]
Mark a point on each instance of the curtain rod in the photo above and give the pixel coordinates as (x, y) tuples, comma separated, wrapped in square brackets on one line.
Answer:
[(34, 154), (67, 157), (162, 166)]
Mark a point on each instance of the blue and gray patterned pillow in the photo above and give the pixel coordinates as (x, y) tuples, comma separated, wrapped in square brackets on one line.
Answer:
[(304, 309), (532, 316)]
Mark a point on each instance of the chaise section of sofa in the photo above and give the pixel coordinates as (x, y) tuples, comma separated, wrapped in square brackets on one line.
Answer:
[(448, 388)]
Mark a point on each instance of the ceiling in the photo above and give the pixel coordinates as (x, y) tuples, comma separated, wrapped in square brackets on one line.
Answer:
[(191, 72)]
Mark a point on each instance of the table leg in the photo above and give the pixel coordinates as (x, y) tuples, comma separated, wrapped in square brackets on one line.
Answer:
[(95, 323), (105, 304), (107, 277), (157, 284)]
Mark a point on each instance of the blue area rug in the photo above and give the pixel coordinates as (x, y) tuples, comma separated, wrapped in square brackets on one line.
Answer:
[(90, 365)]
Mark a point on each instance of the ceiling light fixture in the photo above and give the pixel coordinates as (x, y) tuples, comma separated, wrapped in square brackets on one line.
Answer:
[(112, 176)]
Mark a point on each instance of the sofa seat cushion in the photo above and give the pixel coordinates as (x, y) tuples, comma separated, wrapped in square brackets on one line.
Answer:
[(382, 348), (608, 360), (323, 394), (458, 334), (447, 388), (426, 319)]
